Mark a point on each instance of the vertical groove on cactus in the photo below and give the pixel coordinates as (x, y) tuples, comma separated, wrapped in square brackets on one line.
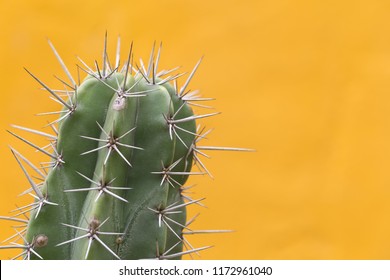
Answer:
[(123, 147)]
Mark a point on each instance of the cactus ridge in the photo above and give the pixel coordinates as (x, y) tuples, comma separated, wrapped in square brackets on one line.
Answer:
[(121, 152)]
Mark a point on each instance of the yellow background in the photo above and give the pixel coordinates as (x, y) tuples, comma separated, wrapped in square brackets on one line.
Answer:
[(305, 83)]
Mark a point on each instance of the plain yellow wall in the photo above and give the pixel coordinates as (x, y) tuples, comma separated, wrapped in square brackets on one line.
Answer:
[(305, 83)]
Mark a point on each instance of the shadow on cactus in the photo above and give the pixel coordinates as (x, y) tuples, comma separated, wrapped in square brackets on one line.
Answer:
[(120, 154)]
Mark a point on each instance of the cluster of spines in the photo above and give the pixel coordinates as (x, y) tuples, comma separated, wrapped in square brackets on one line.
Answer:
[(171, 175)]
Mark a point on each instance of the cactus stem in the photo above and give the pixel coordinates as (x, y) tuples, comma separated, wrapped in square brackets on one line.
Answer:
[(62, 63), (160, 210)]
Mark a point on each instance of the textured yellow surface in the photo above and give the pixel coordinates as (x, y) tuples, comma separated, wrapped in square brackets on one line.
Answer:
[(305, 83)]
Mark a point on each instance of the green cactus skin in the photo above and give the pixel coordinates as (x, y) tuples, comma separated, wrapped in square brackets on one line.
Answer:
[(93, 99), (115, 187)]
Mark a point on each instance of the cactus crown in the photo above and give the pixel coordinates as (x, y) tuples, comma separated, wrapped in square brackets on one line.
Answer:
[(120, 154)]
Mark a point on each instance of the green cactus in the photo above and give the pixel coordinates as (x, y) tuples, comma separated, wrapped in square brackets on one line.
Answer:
[(124, 145)]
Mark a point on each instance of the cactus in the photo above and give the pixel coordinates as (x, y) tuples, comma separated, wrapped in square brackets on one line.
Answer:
[(122, 150)]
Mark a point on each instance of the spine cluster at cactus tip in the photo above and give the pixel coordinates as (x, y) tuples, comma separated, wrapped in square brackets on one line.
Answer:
[(120, 153)]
